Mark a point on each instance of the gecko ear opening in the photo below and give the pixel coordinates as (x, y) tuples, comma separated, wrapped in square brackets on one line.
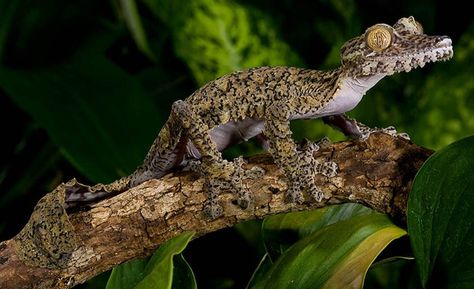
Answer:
[(378, 37)]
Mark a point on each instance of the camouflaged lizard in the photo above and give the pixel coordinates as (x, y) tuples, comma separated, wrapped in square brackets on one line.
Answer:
[(261, 102)]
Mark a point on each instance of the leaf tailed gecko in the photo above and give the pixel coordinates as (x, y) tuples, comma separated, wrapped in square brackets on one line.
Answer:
[(261, 102)]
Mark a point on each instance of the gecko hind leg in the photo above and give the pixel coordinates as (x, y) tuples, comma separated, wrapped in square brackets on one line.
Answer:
[(219, 174), (354, 129)]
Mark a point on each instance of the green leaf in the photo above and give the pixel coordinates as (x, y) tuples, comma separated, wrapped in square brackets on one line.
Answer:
[(441, 216), (159, 270), (165, 268), (336, 256), (183, 276), (281, 231), (394, 274), (251, 231), (98, 114), (127, 275), (97, 282), (259, 274)]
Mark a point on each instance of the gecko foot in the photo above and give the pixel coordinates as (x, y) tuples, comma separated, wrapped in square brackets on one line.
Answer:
[(226, 176), (212, 185), (390, 130), (244, 197), (309, 168), (324, 143), (212, 209), (325, 168), (294, 194)]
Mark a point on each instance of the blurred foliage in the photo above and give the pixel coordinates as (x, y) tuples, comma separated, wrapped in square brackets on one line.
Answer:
[(214, 37), (86, 85), (447, 103)]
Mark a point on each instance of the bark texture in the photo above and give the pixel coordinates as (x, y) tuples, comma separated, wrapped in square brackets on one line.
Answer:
[(59, 249)]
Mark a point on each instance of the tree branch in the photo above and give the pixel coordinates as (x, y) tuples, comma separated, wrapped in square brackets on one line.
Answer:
[(59, 250)]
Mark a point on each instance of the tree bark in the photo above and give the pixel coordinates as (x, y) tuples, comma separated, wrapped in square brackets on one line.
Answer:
[(59, 249)]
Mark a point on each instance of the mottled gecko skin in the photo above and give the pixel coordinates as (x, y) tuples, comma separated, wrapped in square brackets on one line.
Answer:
[(263, 100)]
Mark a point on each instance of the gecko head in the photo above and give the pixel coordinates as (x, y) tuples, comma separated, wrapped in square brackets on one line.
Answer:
[(385, 49)]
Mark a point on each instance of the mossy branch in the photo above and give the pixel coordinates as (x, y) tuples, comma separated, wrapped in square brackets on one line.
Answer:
[(59, 249)]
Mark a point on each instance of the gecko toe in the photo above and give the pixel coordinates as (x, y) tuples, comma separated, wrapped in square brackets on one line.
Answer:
[(213, 210)]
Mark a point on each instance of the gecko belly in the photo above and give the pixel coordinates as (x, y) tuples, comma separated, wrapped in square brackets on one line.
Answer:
[(230, 133)]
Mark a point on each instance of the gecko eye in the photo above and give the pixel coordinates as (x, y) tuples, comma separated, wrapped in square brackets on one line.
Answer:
[(378, 37)]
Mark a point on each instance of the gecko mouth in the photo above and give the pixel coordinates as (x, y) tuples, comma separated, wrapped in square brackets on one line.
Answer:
[(442, 51)]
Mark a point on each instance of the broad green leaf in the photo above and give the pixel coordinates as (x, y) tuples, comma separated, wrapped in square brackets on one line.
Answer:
[(215, 37), (351, 273), (281, 231), (97, 282), (99, 115), (159, 270), (127, 275), (336, 256), (262, 269), (165, 268), (183, 276), (441, 216), (251, 231), (395, 274)]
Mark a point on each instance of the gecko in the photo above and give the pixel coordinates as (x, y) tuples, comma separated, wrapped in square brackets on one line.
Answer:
[(260, 102)]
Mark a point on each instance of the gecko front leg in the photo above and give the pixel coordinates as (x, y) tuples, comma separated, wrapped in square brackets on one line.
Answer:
[(219, 174), (326, 168), (298, 165)]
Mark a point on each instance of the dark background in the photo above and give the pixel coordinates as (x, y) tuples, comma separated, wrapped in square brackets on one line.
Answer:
[(82, 96)]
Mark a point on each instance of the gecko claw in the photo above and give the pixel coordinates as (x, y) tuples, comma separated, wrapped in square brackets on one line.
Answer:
[(324, 143), (244, 200), (327, 168), (316, 194), (390, 130), (294, 195)]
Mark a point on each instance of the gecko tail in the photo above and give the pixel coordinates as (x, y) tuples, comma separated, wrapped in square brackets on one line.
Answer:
[(167, 152), (78, 194)]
